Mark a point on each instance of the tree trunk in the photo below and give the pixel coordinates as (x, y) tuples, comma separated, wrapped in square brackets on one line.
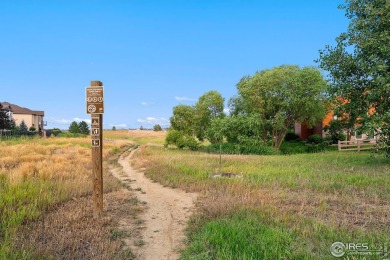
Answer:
[(279, 139), (265, 138)]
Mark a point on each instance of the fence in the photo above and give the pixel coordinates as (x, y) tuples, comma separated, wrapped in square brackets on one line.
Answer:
[(357, 145), (12, 134)]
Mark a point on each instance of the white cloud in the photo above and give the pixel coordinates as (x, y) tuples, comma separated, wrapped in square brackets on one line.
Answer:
[(226, 111), (184, 98), (59, 121), (78, 120), (146, 103), (152, 121)]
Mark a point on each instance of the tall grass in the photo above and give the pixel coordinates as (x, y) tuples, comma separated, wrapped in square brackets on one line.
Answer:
[(137, 136), (278, 206), (36, 174)]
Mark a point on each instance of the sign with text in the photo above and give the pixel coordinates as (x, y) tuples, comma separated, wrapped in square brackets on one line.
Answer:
[(95, 100)]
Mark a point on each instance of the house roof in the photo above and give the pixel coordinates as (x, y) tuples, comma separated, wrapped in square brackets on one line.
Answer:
[(5, 107), (21, 110)]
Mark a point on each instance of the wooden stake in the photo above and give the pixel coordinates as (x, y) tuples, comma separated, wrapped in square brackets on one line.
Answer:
[(97, 164)]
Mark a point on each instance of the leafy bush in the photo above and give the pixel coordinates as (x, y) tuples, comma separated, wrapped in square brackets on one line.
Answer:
[(54, 132), (315, 139), (180, 140), (172, 137), (189, 142), (334, 138), (293, 147), (291, 136)]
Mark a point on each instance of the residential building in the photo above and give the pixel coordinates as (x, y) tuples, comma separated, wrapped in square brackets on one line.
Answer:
[(32, 118), (304, 131)]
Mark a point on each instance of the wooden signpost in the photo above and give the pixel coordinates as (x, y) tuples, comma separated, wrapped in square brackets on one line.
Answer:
[(95, 107)]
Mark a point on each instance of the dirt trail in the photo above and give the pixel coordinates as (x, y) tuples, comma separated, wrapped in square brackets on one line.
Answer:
[(167, 212)]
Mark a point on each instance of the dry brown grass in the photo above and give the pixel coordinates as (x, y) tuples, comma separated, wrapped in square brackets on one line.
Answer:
[(69, 232), (59, 170), (137, 136), (58, 160)]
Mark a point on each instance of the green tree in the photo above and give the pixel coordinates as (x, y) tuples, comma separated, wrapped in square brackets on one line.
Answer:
[(74, 128), (6, 122), (113, 128), (180, 140), (237, 106), (281, 96), (237, 129), (336, 130), (55, 131), (157, 128), (23, 127), (359, 66), (209, 106), (83, 128), (183, 119)]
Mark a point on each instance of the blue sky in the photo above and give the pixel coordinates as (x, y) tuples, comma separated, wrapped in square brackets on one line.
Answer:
[(150, 55)]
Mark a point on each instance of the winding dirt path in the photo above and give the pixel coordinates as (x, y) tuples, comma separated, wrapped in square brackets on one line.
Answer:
[(167, 212)]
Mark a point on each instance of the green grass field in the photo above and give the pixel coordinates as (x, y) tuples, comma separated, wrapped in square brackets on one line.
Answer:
[(277, 207)]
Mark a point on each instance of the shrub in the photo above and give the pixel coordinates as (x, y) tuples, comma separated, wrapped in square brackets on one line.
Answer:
[(293, 147), (189, 142), (172, 137), (334, 138), (180, 140), (54, 131), (315, 139), (291, 136)]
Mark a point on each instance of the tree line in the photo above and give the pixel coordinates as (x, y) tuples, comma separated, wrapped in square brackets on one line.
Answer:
[(79, 128), (269, 102), (265, 108)]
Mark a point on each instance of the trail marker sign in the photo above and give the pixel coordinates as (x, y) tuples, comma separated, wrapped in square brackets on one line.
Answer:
[(95, 106), (95, 131), (95, 99), (95, 121), (95, 142)]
